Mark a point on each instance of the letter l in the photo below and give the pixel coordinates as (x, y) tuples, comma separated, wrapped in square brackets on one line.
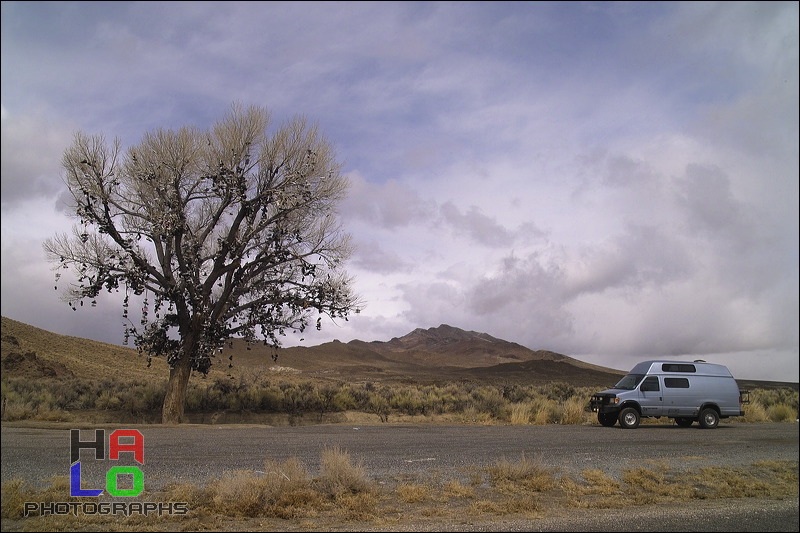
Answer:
[(75, 481)]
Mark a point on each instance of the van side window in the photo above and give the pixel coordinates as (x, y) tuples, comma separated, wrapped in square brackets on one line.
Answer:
[(676, 383), (678, 367), (650, 384)]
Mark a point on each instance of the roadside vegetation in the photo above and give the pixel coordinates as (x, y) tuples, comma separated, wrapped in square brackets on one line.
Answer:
[(290, 400), (287, 496)]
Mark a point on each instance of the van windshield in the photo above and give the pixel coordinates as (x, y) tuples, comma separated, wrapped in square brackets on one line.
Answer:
[(629, 382)]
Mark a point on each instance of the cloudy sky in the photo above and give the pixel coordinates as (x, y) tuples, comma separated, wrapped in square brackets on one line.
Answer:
[(610, 181)]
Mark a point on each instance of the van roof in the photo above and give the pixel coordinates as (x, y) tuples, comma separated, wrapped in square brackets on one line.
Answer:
[(681, 367)]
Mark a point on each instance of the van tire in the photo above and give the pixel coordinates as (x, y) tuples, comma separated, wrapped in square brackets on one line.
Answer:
[(709, 418), (683, 422), (607, 419), (629, 418)]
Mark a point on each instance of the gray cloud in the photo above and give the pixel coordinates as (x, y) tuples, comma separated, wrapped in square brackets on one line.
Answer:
[(606, 179), (390, 205), (479, 227), (31, 163), (373, 257)]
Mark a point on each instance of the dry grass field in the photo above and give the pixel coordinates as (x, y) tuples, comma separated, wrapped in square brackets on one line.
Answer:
[(285, 497)]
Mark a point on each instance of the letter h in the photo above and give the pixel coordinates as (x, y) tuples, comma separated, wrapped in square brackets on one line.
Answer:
[(76, 444)]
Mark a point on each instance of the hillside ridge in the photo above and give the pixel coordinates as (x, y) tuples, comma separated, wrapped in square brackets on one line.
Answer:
[(436, 354)]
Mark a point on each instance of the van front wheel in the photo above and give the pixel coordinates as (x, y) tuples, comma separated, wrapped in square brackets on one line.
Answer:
[(629, 418), (709, 418), (607, 419)]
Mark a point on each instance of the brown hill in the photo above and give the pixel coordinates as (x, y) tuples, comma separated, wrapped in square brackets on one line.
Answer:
[(31, 352), (444, 353)]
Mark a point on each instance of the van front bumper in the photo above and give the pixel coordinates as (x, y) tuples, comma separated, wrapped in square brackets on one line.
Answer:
[(604, 403)]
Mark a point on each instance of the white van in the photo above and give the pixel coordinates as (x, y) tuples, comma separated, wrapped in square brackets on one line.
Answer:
[(687, 392)]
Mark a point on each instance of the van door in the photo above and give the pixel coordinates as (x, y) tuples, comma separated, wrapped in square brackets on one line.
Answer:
[(650, 398)]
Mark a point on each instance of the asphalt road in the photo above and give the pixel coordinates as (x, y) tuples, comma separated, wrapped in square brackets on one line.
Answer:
[(199, 453)]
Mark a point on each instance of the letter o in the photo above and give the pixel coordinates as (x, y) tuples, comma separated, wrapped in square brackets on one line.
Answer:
[(138, 481)]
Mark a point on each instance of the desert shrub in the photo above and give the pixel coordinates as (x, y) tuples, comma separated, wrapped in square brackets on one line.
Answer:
[(338, 474), (573, 411), (108, 400), (544, 411), (445, 399), (15, 493), (514, 393), (344, 399), (558, 391), (143, 398), (490, 400), (282, 490), (241, 493), (781, 413), (358, 506), (326, 395), (408, 400), (754, 412), (15, 410), (379, 405), (521, 413), (52, 415)]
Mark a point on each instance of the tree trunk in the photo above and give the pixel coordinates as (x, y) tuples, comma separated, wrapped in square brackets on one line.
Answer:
[(175, 399)]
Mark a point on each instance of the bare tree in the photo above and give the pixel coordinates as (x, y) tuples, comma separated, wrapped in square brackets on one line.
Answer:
[(232, 233)]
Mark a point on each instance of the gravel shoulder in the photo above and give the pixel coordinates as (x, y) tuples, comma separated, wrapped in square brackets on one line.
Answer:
[(395, 454)]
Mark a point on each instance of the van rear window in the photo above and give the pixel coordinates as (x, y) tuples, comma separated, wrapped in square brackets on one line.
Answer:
[(678, 367), (676, 383)]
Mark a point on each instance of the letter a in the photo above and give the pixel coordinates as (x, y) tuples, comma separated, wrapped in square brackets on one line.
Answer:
[(114, 446)]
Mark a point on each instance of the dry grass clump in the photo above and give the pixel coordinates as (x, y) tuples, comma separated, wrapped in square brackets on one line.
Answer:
[(520, 413), (597, 491), (455, 489), (524, 474), (413, 493), (288, 491), (650, 485)]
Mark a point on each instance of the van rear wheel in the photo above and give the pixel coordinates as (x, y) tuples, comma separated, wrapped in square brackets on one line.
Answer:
[(709, 418), (684, 422), (629, 418)]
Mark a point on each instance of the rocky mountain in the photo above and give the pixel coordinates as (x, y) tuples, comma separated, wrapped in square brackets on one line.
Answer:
[(456, 347), (428, 355)]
